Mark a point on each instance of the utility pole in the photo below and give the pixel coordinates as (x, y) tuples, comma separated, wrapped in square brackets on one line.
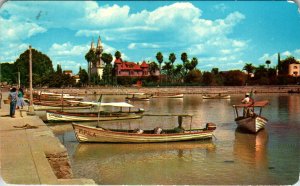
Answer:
[(30, 108)]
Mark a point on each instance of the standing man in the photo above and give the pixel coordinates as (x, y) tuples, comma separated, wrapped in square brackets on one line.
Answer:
[(12, 96)]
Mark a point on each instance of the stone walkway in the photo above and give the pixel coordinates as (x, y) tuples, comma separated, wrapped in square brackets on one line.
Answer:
[(32, 155)]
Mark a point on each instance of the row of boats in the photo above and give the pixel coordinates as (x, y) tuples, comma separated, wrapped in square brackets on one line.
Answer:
[(56, 104)]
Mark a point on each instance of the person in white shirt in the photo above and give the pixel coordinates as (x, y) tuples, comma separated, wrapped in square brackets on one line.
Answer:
[(248, 111)]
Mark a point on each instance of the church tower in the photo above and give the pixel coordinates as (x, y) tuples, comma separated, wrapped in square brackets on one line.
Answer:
[(97, 66)]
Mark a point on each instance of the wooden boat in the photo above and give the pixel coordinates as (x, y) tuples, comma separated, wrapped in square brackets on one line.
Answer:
[(94, 116), (164, 95), (252, 122), (138, 97), (219, 96), (97, 134), (59, 107)]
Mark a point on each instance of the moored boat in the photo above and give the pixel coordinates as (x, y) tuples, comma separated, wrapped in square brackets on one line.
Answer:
[(164, 95), (250, 120), (138, 97), (218, 96), (96, 116), (98, 134)]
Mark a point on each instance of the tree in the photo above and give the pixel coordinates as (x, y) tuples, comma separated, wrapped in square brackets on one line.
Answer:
[(83, 76), (268, 62), (179, 72), (215, 71), (118, 55), (90, 57), (41, 66), (249, 68), (207, 78), (108, 69), (153, 67), (8, 73), (234, 78), (168, 69), (194, 63), (172, 58), (194, 76), (184, 57), (160, 59)]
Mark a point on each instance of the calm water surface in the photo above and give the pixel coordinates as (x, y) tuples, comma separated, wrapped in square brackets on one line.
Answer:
[(232, 157)]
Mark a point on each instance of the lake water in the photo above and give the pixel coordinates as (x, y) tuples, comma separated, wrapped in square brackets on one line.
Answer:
[(231, 157)]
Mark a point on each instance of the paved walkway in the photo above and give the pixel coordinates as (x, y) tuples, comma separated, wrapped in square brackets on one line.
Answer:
[(24, 152)]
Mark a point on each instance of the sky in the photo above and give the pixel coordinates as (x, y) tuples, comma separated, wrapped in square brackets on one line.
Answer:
[(221, 34)]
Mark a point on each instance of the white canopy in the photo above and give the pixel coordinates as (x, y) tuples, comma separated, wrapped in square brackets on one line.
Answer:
[(112, 104)]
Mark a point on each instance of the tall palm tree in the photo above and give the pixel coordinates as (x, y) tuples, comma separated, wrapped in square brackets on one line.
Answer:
[(184, 57), (160, 59), (90, 57), (168, 68), (172, 59), (268, 62), (249, 68), (194, 63)]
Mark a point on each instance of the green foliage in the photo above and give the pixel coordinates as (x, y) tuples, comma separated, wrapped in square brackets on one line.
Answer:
[(194, 76), (234, 78), (207, 78), (153, 67), (118, 54), (41, 66), (84, 78), (8, 73), (107, 58)]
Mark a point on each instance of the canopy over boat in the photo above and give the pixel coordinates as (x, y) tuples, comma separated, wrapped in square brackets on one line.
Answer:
[(255, 104), (112, 104)]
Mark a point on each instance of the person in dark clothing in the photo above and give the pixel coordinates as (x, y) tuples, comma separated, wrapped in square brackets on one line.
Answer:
[(13, 97)]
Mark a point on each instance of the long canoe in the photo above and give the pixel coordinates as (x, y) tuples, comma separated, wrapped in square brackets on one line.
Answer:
[(60, 116), (216, 97), (167, 96), (93, 134)]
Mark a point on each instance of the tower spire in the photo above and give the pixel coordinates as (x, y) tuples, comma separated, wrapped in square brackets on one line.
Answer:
[(99, 43), (92, 45)]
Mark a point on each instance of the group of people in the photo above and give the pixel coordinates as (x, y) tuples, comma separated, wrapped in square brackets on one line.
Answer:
[(16, 98)]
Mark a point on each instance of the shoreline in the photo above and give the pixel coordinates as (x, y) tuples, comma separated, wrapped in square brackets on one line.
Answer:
[(109, 90)]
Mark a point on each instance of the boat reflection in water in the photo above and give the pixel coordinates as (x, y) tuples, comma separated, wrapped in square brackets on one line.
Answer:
[(105, 163), (251, 148)]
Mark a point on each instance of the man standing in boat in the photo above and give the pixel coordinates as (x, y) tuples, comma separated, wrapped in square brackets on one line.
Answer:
[(248, 111)]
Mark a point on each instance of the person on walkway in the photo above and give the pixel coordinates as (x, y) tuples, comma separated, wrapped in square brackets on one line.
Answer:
[(13, 97), (20, 102)]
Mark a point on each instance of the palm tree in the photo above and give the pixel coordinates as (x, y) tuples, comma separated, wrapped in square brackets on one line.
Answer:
[(90, 57), (153, 67), (194, 63), (184, 57), (268, 62), (249, 68), (160, 59), (118, 55), (172, 59), (168, 68)]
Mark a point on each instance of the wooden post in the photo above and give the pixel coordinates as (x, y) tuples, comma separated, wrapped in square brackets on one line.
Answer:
[(30, 107)]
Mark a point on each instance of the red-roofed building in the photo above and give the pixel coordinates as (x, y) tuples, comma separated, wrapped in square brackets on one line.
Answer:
[(131, 69)]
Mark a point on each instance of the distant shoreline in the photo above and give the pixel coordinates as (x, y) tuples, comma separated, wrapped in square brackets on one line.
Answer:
[(174, 90)]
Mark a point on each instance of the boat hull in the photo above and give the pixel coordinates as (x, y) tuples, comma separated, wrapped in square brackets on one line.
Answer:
[(63, 117), (45, 107), (92, 134), (168, 96), (252, 124), (216, 97)]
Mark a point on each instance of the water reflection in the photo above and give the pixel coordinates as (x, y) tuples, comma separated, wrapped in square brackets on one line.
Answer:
[(251, 148), (141, 163)]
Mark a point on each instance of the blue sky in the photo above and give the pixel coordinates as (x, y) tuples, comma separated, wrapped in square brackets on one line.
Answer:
[(221, 34)]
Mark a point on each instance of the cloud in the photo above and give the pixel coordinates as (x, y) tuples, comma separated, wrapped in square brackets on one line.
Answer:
[(67, 49), (13, 30), (274, 57)]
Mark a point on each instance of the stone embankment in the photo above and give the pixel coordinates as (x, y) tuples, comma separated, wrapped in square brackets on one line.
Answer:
[(30, 153), (180, 90)]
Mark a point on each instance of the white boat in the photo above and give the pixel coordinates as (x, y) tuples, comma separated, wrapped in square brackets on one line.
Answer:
[(138, 97), (164, 95), (251, 122), (95, 116), (85, 133)]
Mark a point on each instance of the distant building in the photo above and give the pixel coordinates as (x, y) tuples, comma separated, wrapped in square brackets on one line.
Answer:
[(294, 69), (68, 72), (77, 78), (132, 69), (97, 66)]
